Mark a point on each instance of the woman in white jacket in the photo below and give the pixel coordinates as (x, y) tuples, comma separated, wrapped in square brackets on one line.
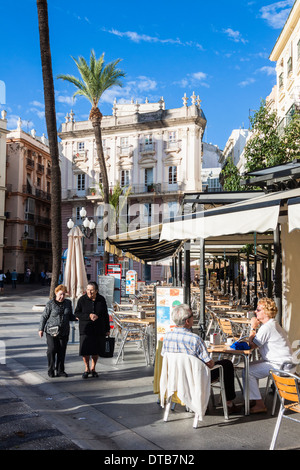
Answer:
[(274, 348)]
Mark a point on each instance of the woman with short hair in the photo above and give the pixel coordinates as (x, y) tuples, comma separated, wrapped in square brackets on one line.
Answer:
[(55, 322)]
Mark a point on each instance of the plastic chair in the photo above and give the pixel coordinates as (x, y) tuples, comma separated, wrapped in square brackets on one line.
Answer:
[(285, 366), (287, 387), (130, 333)]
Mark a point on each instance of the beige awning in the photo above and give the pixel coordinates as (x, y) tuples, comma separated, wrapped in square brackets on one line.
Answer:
[(258, 215)]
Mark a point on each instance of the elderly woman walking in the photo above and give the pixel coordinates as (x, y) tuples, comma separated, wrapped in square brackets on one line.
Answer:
[(55, 321), (91, 311)]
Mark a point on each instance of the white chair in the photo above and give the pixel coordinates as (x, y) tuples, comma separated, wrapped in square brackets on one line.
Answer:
[(190, 378)]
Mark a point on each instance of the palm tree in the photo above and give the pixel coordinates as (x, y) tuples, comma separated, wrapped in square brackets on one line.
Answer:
[(50, 115), (96, 78)]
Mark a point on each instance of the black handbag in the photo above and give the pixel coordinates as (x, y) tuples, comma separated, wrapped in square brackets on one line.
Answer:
[(107, 347)]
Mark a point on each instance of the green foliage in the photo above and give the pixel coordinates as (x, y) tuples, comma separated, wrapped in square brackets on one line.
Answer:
[(96, 77), (268, 146), (231, 177)]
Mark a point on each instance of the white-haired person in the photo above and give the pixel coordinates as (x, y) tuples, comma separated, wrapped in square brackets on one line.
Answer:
[(182, 340), (274, 348)]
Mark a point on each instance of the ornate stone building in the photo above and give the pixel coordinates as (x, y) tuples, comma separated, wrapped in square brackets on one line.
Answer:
[(154, 150), (28, 203)]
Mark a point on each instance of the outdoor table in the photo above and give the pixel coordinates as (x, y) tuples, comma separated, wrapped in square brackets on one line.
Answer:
[(145, 322), (246, 354)]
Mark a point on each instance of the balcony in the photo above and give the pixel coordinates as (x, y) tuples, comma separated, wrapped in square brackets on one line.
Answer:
[(40, 169), (30, 163), (26, 189)]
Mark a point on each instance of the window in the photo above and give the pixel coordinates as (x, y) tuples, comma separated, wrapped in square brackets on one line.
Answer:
[(148, 142), (125, 178), (80, 146), (289, 65), (148, 176), (147, 213), (280, 80), (172, 174), (172, 136), (81, 181), (124, 142)]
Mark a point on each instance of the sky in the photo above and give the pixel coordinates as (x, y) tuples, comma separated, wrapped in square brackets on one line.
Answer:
[(218, 49)]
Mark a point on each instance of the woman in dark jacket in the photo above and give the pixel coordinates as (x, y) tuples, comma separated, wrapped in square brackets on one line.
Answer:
[(91, 311), (57, 313)]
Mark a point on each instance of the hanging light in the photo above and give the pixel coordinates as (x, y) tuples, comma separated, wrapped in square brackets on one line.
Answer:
[(70, 224), (82, 212), (92, 225), (86, 222)]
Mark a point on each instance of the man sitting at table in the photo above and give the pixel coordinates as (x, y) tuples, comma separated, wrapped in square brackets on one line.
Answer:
[(274, 348), (182, 340)]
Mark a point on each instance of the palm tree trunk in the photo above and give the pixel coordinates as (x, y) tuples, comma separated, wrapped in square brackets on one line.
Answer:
[(50, 115), (95, 117)]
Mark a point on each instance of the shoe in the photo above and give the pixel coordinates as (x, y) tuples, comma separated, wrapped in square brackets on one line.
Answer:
[(94, 373), (61, 374), (51, 373), (234, 409), (85, 375), (254, 410)]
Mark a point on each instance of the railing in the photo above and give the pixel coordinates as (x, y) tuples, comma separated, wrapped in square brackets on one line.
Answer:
[(26, 189)]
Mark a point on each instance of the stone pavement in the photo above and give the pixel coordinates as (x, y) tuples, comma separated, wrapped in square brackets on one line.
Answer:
[(116, 413)]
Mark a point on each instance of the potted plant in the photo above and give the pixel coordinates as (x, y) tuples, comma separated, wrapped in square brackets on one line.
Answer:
[(93, 191)]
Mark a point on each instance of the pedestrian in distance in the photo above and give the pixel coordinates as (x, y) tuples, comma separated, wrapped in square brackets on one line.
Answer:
[(55, 322), (91, 311), (14, 277), (2, 277)]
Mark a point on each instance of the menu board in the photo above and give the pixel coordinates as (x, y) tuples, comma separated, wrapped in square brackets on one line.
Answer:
[(131, 282), (166, 299), (106, 286)]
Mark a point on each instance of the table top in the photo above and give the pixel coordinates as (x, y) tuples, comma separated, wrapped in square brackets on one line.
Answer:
[(138, 321), (241, 320), (225, 348)]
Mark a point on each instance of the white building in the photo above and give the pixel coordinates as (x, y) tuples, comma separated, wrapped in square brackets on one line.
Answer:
[(285, 96), (234, 148), (157, 151)]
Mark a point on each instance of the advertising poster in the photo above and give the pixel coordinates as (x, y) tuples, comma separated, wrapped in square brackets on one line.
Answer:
[(166, 299), (115, 270), (131, 282)]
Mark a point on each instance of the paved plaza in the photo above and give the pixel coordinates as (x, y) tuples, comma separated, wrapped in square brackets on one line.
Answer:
[(113, 413)]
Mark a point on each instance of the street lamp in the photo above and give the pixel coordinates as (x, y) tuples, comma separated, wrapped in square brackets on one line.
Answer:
[(87, 227)]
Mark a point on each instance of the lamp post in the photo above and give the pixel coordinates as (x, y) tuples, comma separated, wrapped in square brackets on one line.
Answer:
[(87, 227)]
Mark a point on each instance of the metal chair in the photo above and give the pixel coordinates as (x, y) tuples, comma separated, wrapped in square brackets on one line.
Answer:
[(287, 387), (129, 332), (198, 371)]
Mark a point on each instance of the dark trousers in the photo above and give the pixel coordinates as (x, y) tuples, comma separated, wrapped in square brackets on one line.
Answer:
[(228, 377), (56, 352)]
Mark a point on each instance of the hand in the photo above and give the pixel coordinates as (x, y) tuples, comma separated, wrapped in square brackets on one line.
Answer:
[(93, 317), (254, 322), (41, 333)]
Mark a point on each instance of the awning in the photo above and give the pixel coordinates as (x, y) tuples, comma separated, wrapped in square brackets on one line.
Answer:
[(143, 244), (294, 213), (259, 215)]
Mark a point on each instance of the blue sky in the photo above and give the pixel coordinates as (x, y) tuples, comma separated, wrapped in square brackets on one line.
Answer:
[(218, 49)]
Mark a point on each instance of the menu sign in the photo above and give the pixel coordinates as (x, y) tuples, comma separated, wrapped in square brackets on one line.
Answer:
[(106, 286), (166, 299)]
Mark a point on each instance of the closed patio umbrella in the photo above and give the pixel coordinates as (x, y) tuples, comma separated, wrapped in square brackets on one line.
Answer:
[(75, 278)]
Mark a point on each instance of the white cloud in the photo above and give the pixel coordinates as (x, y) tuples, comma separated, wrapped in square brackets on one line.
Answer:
[(136, 37), (66, 99), (247, 82), (276, 14), (37, 104), (193, 79), (136, 89), (235, 35), (268, 70)]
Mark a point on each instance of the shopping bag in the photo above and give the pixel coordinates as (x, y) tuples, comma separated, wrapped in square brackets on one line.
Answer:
[(107, 346)]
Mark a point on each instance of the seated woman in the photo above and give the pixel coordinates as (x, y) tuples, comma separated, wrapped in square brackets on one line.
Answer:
[(274, 348)]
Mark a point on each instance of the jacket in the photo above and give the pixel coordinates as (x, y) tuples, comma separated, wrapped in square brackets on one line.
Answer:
[(85, 306), (52, 317)]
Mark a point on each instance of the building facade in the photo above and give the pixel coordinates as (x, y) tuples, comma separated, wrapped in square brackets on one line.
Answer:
[(155, 151), (285, 96), (27, 233), (3, 132)]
